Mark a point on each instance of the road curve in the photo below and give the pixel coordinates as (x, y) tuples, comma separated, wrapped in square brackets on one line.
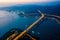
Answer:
[(32, 25)]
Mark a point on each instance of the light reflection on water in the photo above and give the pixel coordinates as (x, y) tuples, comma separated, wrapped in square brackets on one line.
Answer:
[(6, 18), (9, 21)]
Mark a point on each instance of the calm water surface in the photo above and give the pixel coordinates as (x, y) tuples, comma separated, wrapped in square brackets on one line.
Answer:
[(12, 20)]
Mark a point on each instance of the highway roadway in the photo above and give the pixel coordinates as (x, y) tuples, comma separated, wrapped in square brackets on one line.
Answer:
[(32, 25)]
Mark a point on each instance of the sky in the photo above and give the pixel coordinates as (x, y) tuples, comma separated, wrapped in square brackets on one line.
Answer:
[(12, 2), (25, 1)]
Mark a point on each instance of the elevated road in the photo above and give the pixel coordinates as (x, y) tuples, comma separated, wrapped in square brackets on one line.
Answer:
[(53, 15), (32, 25)]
